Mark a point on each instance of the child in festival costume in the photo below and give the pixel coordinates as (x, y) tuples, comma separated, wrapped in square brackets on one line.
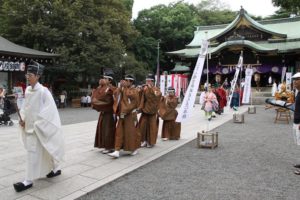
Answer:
[(210, 103)]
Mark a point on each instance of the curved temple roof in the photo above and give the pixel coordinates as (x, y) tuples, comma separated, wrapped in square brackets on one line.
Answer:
[(283, 36), (244, 16), (243, 43), (10, 48)]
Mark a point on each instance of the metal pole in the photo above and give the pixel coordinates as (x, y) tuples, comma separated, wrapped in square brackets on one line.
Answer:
[(157, 68)]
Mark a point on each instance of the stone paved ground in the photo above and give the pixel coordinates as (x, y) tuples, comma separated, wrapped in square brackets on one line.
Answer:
[(254, 161), (73, 115), (85, 168)]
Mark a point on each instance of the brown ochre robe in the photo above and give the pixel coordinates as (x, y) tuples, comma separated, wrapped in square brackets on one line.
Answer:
[(167, 111), (148, 123), (127, 134), (102, 101)]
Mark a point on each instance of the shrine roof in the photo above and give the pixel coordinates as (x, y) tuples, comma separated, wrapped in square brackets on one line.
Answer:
[(10, 48)]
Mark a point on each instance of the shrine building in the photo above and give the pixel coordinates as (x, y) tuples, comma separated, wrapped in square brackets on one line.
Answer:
[(270, 47)]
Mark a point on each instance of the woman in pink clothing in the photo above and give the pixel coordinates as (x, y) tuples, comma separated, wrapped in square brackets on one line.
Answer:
[(210, 103)]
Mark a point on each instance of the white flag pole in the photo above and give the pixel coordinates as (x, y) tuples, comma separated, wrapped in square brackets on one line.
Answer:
[(236, 75)]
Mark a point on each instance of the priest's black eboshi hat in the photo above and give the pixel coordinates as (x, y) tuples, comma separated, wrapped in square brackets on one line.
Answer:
[(129, 77), (35, 68), (150, 77), (109, 76)]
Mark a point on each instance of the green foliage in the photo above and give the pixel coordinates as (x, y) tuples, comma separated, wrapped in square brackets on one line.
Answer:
[(292, 6), (174, 25), (88, 34)]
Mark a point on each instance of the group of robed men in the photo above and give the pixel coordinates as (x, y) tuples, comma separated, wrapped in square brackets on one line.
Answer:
[(118, 125)]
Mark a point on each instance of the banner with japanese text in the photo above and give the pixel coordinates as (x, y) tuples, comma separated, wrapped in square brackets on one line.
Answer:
[(190, 95)]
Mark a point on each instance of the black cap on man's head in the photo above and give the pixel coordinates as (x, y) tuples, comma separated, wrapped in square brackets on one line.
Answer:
[(108, 76), (129, 77), (171, 89), (35, 68), (150, 77)]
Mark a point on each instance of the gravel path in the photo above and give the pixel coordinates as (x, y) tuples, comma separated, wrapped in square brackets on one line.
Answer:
[(254, 160)]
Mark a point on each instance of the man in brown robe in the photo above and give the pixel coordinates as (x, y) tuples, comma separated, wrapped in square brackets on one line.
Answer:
[(148, 123), (126, 102), (102, 101), (167, 111)]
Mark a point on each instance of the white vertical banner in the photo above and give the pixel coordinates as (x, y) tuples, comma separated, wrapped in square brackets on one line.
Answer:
[(283, 74), (176, 84), (247, 86), (169, 81), (235, 78), (288, 79), (162, 84), (190, 95)]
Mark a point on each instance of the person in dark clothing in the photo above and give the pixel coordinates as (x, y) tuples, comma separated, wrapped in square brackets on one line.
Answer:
[(181, 95), (296, 125)]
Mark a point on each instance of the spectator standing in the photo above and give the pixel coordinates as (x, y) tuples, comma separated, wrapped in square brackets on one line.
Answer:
[(88, 100), (296, 125), (62, 99), (83, 101)]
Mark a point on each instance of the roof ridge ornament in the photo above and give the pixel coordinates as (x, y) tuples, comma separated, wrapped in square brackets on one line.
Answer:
[(242, 11)]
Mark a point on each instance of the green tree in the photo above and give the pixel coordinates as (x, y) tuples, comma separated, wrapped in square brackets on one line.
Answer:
[(88, 34), (174, 25), (292, 6)]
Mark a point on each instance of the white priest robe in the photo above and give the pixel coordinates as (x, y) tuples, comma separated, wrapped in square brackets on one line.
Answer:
[(42, 134)]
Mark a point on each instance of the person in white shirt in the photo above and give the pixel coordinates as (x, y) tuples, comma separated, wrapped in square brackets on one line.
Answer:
[(83, 101), (40, 130), (88, 100)]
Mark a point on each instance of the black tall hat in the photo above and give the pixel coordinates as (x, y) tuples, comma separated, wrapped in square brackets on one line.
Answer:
[(35, 68), (171, 89), (109, 76), (129, 77), (150, 77)]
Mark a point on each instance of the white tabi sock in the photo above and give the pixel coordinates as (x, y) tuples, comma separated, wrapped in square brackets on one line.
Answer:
[(26, 182)]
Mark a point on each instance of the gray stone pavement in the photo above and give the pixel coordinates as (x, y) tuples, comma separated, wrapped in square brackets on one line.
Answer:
[(254, 161), (73, 115), (86, 169)]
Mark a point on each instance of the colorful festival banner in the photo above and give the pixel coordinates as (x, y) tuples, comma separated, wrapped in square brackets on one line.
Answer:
[(247, 86), (235, 78), (190, 95)]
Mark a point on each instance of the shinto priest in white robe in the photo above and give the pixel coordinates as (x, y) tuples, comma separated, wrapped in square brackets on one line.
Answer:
[(42, 134)]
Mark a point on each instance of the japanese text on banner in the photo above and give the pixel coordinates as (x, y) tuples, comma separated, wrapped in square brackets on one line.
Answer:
[(190, 95)]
